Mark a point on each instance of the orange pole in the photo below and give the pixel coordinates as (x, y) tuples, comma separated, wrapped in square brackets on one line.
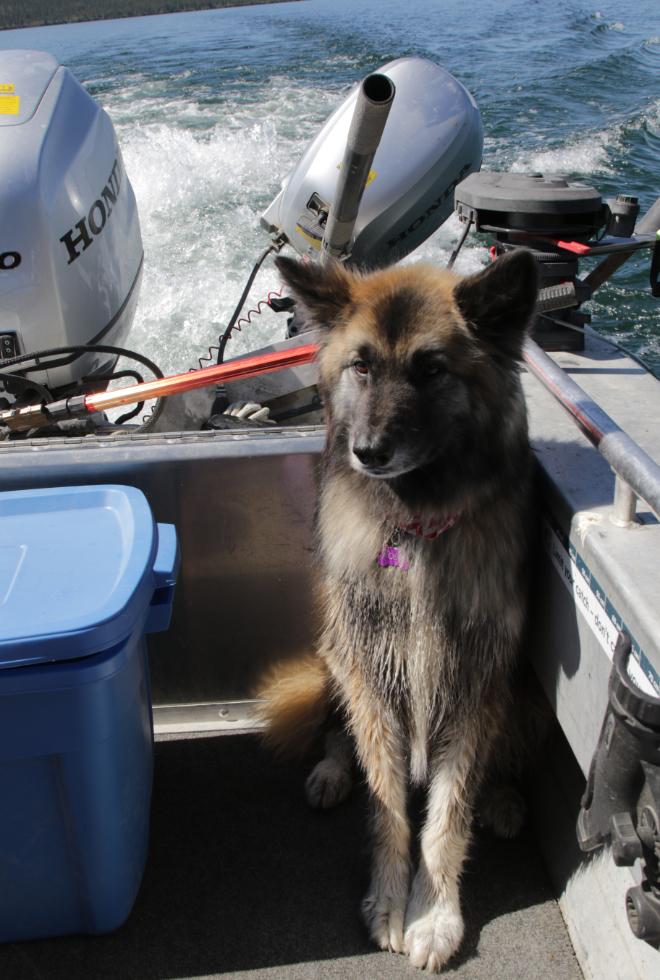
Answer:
[(249, 366), (33, 416)]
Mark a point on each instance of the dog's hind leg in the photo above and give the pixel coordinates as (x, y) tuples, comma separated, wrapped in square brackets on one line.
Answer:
[(526, 731), (331, 781), (381, 751), (502, 808), (434, 925)]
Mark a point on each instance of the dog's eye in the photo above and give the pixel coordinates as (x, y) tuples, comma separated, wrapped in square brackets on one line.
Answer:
[(360, 367), (430, 368)]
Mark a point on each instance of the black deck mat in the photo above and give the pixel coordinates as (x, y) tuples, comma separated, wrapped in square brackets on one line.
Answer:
[(243, 878)]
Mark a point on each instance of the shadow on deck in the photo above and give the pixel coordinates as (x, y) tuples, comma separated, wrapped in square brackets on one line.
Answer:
[(243, 878)]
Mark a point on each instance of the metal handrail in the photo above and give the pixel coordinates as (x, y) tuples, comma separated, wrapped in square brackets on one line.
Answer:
[(637, 474)]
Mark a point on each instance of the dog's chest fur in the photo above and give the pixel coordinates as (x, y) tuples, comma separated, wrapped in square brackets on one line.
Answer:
[(425, 638)]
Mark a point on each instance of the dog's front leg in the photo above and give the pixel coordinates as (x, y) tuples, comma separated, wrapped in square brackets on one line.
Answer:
[(434, 925), (380, 748)]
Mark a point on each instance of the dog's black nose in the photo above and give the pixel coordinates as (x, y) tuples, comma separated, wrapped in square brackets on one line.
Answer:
[(373, 453)]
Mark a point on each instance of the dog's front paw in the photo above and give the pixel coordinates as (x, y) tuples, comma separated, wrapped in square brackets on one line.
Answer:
[(433, 934), (383, 915), (328, 784)]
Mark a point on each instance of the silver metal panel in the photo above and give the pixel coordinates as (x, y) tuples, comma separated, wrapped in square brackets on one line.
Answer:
[(263, 388), (243, 507), (590, 888), (578, 490)]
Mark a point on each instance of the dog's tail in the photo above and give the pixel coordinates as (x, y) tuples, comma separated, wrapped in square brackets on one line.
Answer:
[(298, 706)]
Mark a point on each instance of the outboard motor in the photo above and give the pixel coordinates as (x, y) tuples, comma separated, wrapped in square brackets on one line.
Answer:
[(559, 219), (541, 212), (70, 244), (432, 140)]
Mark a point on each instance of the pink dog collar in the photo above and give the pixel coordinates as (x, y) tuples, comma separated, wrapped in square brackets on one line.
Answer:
[(429, 527)]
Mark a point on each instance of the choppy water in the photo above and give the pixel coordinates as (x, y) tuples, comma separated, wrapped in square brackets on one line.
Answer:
[(213, 108)]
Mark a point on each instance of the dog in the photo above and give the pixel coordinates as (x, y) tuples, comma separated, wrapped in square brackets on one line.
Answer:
[(422, 530)]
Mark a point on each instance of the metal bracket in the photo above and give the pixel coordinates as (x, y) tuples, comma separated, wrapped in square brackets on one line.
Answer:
[(621, 803), (625, 505), (214, 716)]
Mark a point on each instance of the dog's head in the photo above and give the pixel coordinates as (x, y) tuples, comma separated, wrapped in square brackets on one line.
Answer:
[(418, 365)]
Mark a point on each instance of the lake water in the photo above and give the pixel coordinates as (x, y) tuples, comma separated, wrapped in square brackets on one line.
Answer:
[(213, 108)]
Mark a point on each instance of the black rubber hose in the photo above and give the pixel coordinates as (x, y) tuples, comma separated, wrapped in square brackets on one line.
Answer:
[(452, 257), (131, 415), (25, 384), (77, 350), (241, 303), (113, 377)]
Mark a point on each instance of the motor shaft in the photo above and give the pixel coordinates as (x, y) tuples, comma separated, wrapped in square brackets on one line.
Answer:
[(372, 108)]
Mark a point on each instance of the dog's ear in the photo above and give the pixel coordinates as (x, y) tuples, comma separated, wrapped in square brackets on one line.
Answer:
[(499, 302), (321, 293)]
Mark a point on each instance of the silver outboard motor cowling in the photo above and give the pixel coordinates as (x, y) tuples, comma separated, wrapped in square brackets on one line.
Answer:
[(432, 140), (70, 244)]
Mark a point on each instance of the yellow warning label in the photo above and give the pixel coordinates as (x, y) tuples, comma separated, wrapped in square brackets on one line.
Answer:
[(6, 89), (372, 175), (9, 105), (312, 241)]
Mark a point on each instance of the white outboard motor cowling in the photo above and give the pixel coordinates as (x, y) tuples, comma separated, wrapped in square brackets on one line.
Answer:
[(70, 245)]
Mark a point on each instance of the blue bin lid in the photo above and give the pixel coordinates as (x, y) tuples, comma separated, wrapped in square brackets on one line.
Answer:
[(76, 570)]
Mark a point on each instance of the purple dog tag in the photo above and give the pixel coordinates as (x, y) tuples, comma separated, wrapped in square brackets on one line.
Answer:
[(390, 556)]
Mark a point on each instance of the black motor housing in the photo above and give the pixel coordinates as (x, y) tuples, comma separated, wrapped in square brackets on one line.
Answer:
[(538, 211)]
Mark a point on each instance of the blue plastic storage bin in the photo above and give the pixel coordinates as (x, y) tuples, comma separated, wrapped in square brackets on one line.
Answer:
[(84, 573)]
